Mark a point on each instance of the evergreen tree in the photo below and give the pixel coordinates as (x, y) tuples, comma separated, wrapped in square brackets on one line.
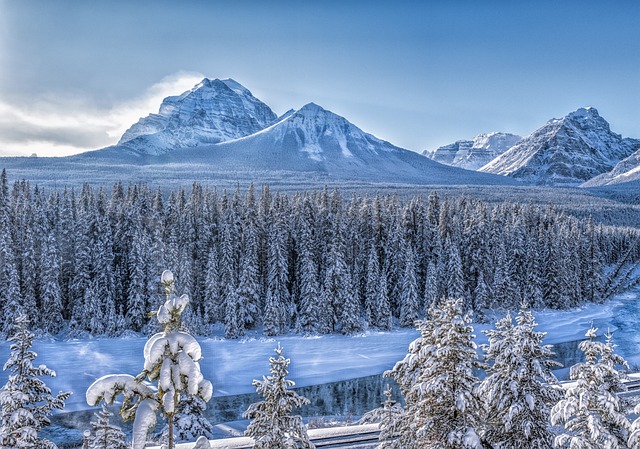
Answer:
[(104, 434), (591, 411), (437, 380), (455, 279), (431, 286), (388, 416), (51, 294), (272, 426), (26, 400), (409, 291), (171, 360), (277, 299), (517, 415), (371, 287), (190, 422), (384, 318)]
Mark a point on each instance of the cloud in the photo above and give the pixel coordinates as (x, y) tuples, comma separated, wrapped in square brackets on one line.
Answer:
[(65, 125)]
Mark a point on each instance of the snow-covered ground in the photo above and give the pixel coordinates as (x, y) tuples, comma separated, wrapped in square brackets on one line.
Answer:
[(232, 364)]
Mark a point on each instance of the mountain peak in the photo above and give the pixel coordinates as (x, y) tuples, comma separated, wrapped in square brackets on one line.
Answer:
[(569, 150), (311, 109), (473, 154), (212, 111), (584, 112)]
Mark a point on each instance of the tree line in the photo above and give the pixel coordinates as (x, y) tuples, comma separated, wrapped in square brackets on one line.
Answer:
[(310, 262)]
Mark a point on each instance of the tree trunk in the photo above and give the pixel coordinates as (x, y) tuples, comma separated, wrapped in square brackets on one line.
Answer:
[(170, 423)]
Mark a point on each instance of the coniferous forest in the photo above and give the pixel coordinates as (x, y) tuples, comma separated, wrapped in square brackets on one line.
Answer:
[(87, 261)]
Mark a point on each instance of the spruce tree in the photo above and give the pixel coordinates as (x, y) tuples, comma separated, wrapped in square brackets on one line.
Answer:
[(105, 435), (272, 425), (438, 383), (26, 401), (592, 412), (171, 360), (409, 290), (519, 389)]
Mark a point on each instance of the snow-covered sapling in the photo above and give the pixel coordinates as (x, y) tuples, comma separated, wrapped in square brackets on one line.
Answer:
[(387, 418), (171, 363), (272, 425), (105, 435), (25, 400)]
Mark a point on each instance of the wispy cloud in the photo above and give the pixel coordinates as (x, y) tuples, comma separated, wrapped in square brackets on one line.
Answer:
[(65, 125)]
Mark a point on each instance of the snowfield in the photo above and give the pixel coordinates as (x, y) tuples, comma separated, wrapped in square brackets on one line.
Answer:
[(231, 365)]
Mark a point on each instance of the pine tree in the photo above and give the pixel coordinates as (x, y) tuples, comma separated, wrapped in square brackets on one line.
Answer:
[(277, 299), (388, 416), (517, 415), (438, 383), (190, 422), (272, 426), (171, 360), (591, 411), (437, 380), (409, 291), (371, 287), (104, 434), (384, 318), (26, 400), (455, 279), (51, 294)]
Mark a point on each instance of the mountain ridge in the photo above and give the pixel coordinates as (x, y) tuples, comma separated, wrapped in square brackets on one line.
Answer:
[(568, 151)]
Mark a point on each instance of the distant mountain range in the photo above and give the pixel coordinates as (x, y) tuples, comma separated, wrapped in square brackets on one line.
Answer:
[(220, 124), (219, 130), (473, 154), (572, 150)]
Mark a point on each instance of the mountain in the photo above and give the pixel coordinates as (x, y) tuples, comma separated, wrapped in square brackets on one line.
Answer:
[(213, 111), (219, 132), (628, 169), (313, 142), (567, 151), (473, 154)]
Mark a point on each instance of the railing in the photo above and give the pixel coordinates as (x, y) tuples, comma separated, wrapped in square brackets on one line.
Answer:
[(333, 437)]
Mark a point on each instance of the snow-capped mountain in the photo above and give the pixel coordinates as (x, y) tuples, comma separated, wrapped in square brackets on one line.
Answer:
[(314, 141), (473, 154), (213, 111), (628, 169), (570, 150)]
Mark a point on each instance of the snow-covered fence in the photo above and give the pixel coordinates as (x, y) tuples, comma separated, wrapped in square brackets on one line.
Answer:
[(321, 438)]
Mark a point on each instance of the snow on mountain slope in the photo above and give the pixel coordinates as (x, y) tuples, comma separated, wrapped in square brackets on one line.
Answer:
[(473, 154), (568, 151), (628, 169), (313, 139), (213, 111)]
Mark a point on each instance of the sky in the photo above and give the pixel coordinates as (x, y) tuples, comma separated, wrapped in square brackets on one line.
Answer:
[(74, 75)]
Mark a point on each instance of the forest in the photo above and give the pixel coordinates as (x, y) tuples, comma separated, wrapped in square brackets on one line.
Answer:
[(87, 261)]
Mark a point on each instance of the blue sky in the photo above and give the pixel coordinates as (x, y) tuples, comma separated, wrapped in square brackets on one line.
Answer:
[(75, 74)]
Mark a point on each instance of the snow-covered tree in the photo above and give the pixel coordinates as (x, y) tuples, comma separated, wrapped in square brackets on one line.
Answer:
[(519, 389), (190, 422), (592, 412), (272, 425), (388, 417), (105, 435), (171, 360), (26, 401), (409, 290), (438, 383)]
